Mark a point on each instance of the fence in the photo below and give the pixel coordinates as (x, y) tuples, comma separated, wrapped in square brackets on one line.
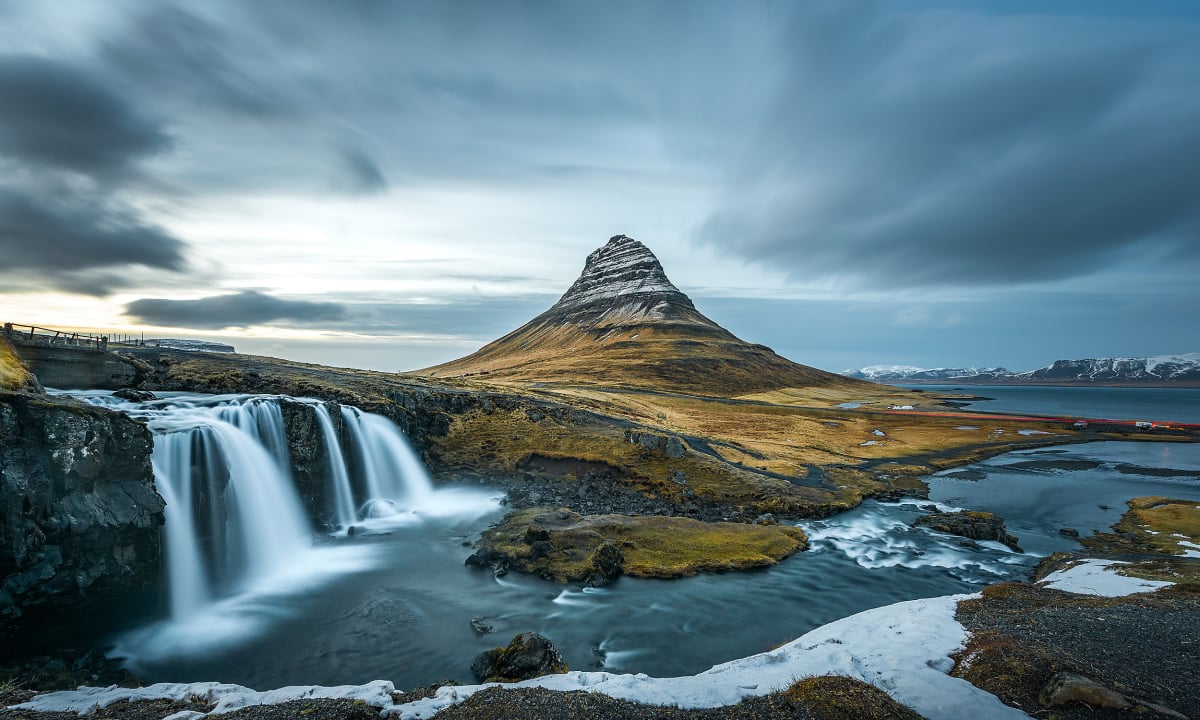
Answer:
[(33, 335)]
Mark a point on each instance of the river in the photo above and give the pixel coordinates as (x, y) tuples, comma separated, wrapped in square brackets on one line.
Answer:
[(397, 602)]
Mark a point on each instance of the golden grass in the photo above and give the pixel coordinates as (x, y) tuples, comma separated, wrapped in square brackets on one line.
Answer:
[(652, 546), (690, 355), (13, 374)]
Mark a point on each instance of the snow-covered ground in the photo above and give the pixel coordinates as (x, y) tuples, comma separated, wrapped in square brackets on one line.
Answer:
[(1099, 577)]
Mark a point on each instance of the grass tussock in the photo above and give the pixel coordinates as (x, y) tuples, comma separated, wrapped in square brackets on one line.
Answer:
[(833, 697), (13, 374)]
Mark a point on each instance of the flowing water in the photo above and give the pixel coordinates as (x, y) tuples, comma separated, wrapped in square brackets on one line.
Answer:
[(1106, 403), (267, 604)]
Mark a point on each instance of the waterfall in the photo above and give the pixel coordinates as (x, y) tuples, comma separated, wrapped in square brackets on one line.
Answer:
[(394, 479), (232, 514), (343, 494), (237, 538)]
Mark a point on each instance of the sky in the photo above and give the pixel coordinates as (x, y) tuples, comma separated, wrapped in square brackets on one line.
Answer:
[(390, 185)]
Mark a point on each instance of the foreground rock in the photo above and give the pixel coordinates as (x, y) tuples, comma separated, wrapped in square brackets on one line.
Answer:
[(79, 514), (563, 546), (1075, 656), (971, 524), (529, 655)]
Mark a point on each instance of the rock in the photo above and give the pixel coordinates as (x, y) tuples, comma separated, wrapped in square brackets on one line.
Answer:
[(481, 626), (970, 524), (668, 445), (79, 512), (1069, 532), (607, 562), (534, 533), (529, 655), (1065, 688), (133, 395)]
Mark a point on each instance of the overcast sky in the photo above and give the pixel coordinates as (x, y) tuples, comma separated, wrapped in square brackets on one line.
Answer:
[(393, 184)]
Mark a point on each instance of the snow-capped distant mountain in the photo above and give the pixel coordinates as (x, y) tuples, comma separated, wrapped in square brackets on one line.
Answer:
[(1170, 368), (1158, 370), (909, 373)]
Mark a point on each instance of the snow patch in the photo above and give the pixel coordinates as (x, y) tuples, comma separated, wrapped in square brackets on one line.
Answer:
[(1097, 577), (904, 649), (1032, 432)]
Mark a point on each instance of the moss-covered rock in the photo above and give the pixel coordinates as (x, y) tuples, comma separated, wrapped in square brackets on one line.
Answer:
[(529, 655), (1153, 524), (564, 546)]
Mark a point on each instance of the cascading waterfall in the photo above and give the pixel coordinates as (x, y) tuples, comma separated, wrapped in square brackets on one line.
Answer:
[(240, 551), (233, 516), (234, 519), (393, 477), (343, 493)]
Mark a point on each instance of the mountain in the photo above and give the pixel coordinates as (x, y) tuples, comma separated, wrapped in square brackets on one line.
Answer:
[(624, 324), (1157, 369), (909, 373), (1177, 370)]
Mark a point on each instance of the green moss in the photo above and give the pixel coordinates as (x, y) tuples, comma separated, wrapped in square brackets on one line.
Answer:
[(564, 546), (1152, 524)]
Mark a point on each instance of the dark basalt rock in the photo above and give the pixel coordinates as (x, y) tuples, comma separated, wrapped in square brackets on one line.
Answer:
[(133, 395), (971, 524), (529, 655), (79, 513)]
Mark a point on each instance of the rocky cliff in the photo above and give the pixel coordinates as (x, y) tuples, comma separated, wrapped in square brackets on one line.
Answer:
[(79, 515)]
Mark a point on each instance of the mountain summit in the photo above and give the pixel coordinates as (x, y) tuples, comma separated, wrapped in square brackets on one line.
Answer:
[(623, 282), (624, 324)]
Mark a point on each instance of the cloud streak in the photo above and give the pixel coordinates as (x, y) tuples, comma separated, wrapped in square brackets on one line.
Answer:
[(63, 237), (945, 149), (58, 116), (242, 309)]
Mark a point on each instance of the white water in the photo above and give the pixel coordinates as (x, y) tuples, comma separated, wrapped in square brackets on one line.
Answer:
[(342, 492), (237, 537), (395, 480)]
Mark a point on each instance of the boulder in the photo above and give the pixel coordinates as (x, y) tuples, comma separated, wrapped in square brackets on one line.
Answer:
[(1065, 688), (529, 655), (971, 524), (133, 395), (607, 563)]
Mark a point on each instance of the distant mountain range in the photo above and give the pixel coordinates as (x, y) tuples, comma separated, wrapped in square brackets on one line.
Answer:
[(1171, 370)]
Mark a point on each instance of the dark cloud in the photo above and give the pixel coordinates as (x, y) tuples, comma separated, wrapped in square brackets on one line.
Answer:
[(241, 309), (927, 148), (172, 51), (63, 236), (360, 173), (58, 116)]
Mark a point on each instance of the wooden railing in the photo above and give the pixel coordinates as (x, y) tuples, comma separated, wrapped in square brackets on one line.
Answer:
[(33, 335)]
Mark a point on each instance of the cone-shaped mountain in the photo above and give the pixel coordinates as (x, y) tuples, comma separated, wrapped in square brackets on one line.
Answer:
[(623, 323)]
